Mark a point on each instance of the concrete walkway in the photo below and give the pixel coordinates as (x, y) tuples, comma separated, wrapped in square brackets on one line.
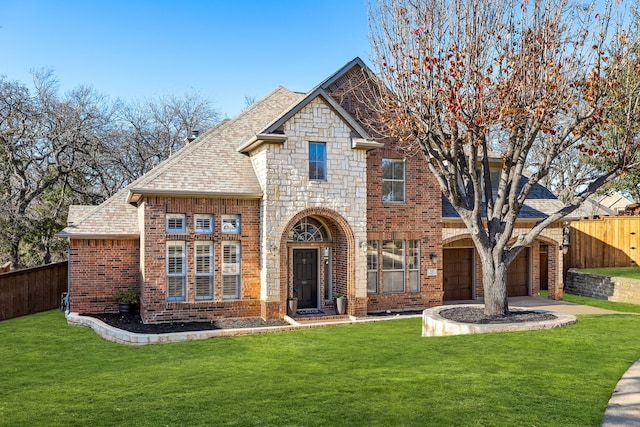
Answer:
[(539, 303)]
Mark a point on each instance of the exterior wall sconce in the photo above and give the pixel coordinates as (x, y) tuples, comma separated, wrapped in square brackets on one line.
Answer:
[(566, 238), (363, 246), (273, 248), (433, 256)]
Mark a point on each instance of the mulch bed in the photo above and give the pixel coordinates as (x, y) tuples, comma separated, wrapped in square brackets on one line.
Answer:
[(133, 323), (476, 315)]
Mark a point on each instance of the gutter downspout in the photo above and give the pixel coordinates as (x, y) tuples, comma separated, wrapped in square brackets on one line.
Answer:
[(66, 297)]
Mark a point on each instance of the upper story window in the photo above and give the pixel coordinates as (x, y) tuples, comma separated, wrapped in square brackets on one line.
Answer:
[(231, 224), (495, 175), (203, 223), (317, 161), (392, 180), (176, 223)]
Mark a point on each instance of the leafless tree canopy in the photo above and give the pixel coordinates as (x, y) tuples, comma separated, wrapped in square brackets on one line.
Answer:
[(76, 148), (466, 81)]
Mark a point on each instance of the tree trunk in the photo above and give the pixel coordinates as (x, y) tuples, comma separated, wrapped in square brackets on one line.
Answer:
[(494, 283)]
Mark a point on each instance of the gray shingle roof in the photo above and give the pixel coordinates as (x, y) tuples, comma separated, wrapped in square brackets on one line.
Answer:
[(209, 166), (115, 218), (540, 204)]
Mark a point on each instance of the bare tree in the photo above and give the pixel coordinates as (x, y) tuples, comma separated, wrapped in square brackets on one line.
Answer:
[(78, 148), (463, 76), (149, 132), (47, 152)]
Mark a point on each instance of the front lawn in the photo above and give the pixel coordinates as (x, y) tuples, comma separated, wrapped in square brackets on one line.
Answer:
[(628, 272), (602, 303), (381, 374)]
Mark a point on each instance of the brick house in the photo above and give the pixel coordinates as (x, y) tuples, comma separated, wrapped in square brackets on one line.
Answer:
[(294, 196)]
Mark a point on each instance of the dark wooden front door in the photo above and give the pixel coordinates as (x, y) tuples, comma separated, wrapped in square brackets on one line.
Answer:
[(518, 275), (457, 273), (305, 277)]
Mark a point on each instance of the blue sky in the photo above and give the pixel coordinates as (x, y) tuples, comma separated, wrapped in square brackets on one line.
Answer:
[(224, 50)]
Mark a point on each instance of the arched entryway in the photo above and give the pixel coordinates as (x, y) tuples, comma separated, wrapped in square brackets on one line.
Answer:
[(318, 260), (311, 244)]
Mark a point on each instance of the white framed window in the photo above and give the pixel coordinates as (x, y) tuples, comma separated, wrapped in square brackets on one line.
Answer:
[(203, 270), (414, 265), (392, 180), (176, 223), (176, 271), (231, 224), (317, 161), (495, 175), (231, 269), (392, 266), (372, 266), (203, 223)]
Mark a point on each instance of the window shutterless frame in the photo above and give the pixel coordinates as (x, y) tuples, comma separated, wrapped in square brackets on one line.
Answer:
[(393, 178), (317, 161), (230, 224), (414, 265), (372, 266), (176, 270), (231, 263), (203, 270), (175, 223), (203, 223), (393, 266)]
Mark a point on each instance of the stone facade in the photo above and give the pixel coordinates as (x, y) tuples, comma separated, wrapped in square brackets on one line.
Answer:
[(283, 171)]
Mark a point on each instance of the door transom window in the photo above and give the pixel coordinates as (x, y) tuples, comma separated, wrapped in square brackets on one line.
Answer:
[(308, 230)]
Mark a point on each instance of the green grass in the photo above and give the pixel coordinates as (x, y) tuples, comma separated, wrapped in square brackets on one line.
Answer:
[(628, 272), (380, 374), (601, 303)]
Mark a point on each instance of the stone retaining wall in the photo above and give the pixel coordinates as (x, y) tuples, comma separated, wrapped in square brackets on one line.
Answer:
[(618, 289)]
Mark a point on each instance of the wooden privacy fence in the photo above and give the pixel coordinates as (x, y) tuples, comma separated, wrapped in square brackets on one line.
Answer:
[(604, 242), (32, 290)]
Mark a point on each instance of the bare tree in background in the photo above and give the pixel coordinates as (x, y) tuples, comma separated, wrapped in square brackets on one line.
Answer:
[(463, 77), (149, 132), (47, 156), (78, 148)]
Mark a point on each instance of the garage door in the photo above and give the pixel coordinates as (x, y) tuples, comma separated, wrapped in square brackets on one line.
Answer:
[(458, 274), (518, 275)]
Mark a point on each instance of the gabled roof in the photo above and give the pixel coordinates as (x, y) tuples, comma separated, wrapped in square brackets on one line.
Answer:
[(210, 165), (272, 132), (214, 164)]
